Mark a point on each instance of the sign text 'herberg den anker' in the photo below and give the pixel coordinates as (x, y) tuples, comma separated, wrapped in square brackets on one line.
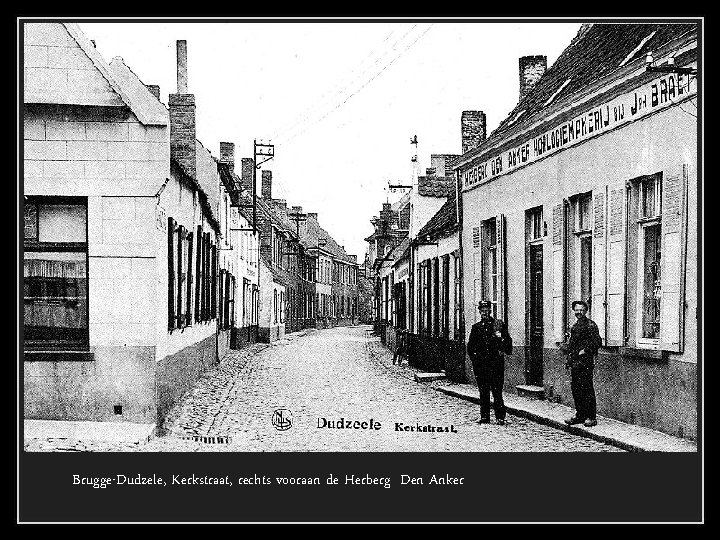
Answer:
[(650, 97)]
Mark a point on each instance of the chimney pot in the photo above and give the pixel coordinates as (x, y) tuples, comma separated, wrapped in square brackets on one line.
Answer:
[(531, 69), (472, 129), (182, 72)]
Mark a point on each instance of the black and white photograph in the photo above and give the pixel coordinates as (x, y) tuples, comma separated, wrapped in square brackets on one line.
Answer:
[(375, 236)]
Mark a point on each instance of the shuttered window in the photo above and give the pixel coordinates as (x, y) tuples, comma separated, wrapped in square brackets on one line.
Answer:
[(172, 321)]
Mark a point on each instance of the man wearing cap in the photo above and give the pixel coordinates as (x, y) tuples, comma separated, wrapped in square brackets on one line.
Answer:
[(488, 343), (581, 350)]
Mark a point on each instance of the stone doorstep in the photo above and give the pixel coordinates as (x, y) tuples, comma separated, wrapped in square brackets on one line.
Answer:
[(122, 432), (530, 391), (428, 377), (609, 431)]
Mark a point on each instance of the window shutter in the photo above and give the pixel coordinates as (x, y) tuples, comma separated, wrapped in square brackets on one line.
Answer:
[(178, 287), (206, 278), (171, 273), (599, 261), (616, 268), (558, 265), (476, 237), (213, 283), (501, 250), (188, 307), (198, 272), (674, 230)]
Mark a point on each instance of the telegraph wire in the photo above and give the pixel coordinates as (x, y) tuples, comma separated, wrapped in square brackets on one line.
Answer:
[(336, 90), (352, 82), (361, 87)]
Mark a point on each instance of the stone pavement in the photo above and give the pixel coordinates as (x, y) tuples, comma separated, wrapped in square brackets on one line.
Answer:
[(609, 431), (322, 377)]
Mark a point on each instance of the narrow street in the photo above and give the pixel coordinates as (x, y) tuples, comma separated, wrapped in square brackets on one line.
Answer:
[(329, 374)]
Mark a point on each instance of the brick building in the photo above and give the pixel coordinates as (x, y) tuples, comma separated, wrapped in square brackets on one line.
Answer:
[(588, 190)]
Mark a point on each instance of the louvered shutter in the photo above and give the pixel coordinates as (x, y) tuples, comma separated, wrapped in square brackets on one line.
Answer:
[(213, 282), (672, 277), (616, 268), (179, 292), (501, 269), (558, 272), (188, 306), (599, 261), (198, 273), (171, 273)]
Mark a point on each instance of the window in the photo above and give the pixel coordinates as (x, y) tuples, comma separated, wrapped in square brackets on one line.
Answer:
[(445, 319), (583, 248), (535, 224), (282, 306), (490, 264), (275, 306), (55, 279), (651, 285)]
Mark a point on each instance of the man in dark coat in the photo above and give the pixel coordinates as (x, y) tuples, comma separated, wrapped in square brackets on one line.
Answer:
[(581, 350), (488, 343)]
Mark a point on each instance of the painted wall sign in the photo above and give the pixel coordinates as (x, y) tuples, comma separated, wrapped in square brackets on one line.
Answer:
[(653, 96)]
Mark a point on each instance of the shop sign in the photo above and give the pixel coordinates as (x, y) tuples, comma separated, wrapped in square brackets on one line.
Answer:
[(653, 96)]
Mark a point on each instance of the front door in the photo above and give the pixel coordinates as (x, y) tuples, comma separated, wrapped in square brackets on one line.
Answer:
[(534, 362)]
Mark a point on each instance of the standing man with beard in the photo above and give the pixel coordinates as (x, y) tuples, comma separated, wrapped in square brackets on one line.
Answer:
[(488, 343), (581, 350)]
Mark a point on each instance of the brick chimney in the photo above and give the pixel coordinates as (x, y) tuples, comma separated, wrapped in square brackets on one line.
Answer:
[(472, 129), (227, 154), (182, 117), (246, 175), (266, 186), (531, 69)]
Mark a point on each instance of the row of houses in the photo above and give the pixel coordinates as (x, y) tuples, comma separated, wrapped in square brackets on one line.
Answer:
[(588, 189), (146, 257)]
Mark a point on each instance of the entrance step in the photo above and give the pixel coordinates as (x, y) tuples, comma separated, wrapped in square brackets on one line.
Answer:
[(428, 377), (530, 391)]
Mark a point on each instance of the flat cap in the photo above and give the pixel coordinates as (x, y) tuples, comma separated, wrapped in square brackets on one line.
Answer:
[(579, 302), (484, 304)]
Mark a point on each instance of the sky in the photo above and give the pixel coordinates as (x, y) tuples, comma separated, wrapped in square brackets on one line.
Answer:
[(339, 100)]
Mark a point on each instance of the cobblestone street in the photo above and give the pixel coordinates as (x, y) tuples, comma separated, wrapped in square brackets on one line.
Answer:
[(328, 374)]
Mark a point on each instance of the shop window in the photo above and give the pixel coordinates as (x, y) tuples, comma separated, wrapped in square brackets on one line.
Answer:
[(55, 279), (651, 285), (583, 247)]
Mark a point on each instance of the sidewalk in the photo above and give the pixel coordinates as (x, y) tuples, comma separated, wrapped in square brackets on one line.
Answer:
[(112, 432), (609, 431)]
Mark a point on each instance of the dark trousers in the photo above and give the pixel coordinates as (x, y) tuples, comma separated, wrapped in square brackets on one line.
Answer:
[(490, 376), (583, 391)]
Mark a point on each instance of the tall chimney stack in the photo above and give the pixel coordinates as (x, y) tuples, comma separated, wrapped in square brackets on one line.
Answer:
[(531, 69), (472, 129), (182, 117), (182, 73), (246, 174), (227, 154), (266, 186)]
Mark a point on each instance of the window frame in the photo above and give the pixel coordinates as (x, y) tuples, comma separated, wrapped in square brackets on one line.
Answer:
[(81, 349)]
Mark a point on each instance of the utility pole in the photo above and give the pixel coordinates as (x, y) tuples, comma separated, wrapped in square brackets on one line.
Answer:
[(263, 150)]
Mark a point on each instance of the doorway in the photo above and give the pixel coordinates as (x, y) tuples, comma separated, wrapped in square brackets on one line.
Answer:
[(534, 361)]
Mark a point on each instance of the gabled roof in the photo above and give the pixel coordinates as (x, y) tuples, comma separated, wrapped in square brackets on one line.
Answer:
[(145, 105), (444, 220), (401, 251), (595, 53), (124, 83), (313, 232)]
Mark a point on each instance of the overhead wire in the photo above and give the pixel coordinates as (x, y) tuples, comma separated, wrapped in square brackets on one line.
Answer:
[(362, 86)]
